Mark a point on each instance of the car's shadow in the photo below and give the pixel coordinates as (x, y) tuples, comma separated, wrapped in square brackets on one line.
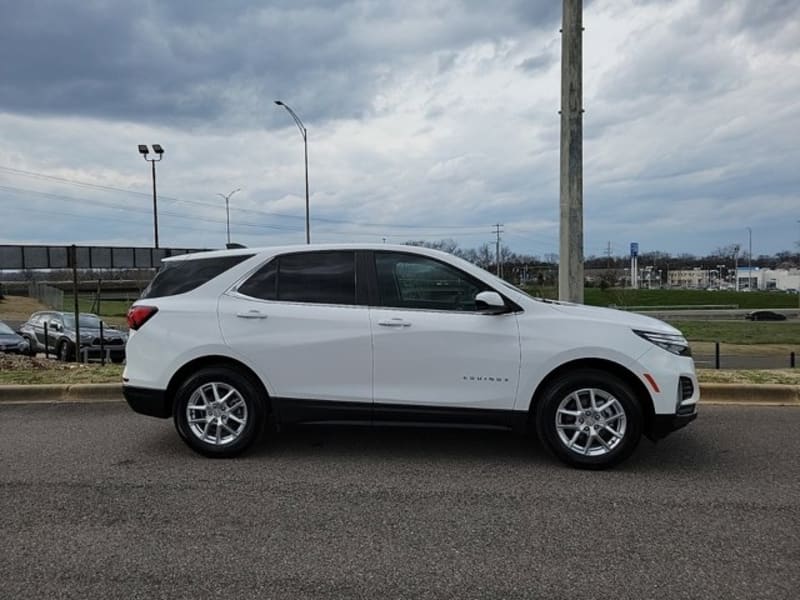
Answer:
[(395, 444)]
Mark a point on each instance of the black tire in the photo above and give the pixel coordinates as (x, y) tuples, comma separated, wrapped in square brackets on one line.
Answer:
[(608, 387), (31, 346), (249, 391), (65, 352)]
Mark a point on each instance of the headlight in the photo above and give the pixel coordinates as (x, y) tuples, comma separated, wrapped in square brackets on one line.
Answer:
[(671, 342)]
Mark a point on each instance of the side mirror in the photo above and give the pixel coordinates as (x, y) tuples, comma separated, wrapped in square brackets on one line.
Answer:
[(491, 303), (54, 325)]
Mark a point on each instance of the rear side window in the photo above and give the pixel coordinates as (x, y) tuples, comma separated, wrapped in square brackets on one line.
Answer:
[(319, 277), (182, 276)]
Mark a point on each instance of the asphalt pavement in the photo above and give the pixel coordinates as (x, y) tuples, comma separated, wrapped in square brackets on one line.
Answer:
[(97, 502)]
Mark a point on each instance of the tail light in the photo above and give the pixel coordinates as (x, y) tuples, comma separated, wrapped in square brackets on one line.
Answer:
[(139, 315)]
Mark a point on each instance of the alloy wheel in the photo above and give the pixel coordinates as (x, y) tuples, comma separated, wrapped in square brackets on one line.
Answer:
[(591, 422)]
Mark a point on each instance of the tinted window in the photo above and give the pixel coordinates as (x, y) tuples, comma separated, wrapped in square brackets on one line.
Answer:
[(88, 321), (263, 283), (410, 281), (183, 276), (324, 277), (5, 329)]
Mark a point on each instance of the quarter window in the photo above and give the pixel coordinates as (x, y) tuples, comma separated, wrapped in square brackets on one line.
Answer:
[(411, 281)]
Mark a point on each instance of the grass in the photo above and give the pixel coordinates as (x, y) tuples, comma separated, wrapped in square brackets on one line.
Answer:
[(780, 376), (622, 297), (73, 374), (742, 332)]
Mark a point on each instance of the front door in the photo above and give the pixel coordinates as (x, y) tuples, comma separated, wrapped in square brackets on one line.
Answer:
[(433, 348)]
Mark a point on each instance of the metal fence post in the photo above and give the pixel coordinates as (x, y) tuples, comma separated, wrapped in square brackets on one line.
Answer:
[(102, 346), (46, 342), (791, 360), (716, 355)]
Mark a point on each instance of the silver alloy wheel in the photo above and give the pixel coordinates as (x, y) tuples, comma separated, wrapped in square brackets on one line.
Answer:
[(216, 413), (591, 422)]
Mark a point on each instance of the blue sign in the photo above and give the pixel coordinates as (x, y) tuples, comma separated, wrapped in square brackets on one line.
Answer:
[(634, 249)]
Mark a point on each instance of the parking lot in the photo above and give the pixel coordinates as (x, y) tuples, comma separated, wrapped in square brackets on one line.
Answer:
[(99, 502)]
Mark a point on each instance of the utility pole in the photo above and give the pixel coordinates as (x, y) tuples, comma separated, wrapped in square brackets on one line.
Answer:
[(498, 231), (570, 275), (736, 265)]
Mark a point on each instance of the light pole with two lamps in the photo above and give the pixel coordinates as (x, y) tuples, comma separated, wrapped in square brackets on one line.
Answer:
[(228, 211), (304, 133), (159, 151)]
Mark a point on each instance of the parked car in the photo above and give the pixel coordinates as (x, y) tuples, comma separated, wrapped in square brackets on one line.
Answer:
[(12, 342), (765, 315), (60, 338), (226, 341)]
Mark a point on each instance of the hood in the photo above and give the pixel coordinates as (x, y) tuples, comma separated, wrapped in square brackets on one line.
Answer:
[(8, 338), (610, 315)]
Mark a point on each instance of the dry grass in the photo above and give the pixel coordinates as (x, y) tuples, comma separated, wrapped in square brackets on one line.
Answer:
[(19, 308), (24, 370), (782, 376)]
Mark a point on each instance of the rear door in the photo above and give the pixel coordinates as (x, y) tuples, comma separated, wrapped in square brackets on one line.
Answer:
[(300, 320), (433, 348)]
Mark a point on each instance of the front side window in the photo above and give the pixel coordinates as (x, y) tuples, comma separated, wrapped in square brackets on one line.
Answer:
[(318, 277), (412, 281)]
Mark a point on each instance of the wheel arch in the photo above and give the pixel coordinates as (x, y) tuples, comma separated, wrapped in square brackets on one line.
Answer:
[(616, 369), (214, 361)]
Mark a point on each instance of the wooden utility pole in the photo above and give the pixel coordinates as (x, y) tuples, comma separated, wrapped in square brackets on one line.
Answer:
[(498, 230), (570, 274)]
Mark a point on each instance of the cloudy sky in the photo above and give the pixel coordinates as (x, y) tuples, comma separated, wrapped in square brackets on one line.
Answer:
[(426, 120)]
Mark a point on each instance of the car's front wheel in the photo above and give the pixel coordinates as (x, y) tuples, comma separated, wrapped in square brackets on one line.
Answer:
[(589, 419), (219, 412)]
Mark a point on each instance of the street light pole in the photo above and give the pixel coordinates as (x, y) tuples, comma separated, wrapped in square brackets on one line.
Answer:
[(750, 260), (159, 151), (228, 211), (304, 133)]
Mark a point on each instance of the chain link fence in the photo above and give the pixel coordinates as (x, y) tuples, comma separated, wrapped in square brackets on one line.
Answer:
[(47, 295)]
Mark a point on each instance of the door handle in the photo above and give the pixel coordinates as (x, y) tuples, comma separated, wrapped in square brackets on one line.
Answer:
[(394, 323), (251, 314)]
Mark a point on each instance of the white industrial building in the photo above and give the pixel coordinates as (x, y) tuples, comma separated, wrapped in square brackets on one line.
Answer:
[(770, 279)]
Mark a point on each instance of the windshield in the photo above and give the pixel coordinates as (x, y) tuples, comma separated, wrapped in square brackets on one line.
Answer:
[(5, 329), (87, 321)]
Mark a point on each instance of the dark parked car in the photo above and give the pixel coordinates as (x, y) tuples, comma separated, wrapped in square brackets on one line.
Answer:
[(765, 315), (11, 342), (61, 335)]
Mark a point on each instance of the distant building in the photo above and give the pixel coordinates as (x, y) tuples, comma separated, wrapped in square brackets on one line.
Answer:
[(691, 278), (770, 279)]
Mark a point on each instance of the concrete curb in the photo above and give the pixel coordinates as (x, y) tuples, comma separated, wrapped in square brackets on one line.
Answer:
[(75, 392), (749, 393), (710, 393)]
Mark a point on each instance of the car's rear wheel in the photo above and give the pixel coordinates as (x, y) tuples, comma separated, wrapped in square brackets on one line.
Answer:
[(219, 412), (589, 419)]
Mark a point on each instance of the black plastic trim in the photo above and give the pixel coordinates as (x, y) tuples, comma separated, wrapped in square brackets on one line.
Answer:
[(146, 401), (292, 410), (662, 425)]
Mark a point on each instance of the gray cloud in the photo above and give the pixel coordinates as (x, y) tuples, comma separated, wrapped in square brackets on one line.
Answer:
[(202, 61)]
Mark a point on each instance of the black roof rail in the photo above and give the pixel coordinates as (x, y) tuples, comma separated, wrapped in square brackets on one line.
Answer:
[(234, 245)]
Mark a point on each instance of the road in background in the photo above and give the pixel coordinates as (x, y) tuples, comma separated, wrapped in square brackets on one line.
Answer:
[(97, 502)]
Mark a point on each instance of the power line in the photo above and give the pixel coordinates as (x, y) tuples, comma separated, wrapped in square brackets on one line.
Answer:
[(107, 188)]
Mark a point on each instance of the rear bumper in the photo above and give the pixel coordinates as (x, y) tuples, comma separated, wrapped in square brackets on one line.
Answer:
[(146, 401), (663, 425)]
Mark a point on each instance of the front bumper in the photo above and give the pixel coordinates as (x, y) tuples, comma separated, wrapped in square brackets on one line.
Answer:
[(662, 425), (146, 401)]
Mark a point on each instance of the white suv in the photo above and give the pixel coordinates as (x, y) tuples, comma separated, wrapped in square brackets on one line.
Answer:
[(225, 341)]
